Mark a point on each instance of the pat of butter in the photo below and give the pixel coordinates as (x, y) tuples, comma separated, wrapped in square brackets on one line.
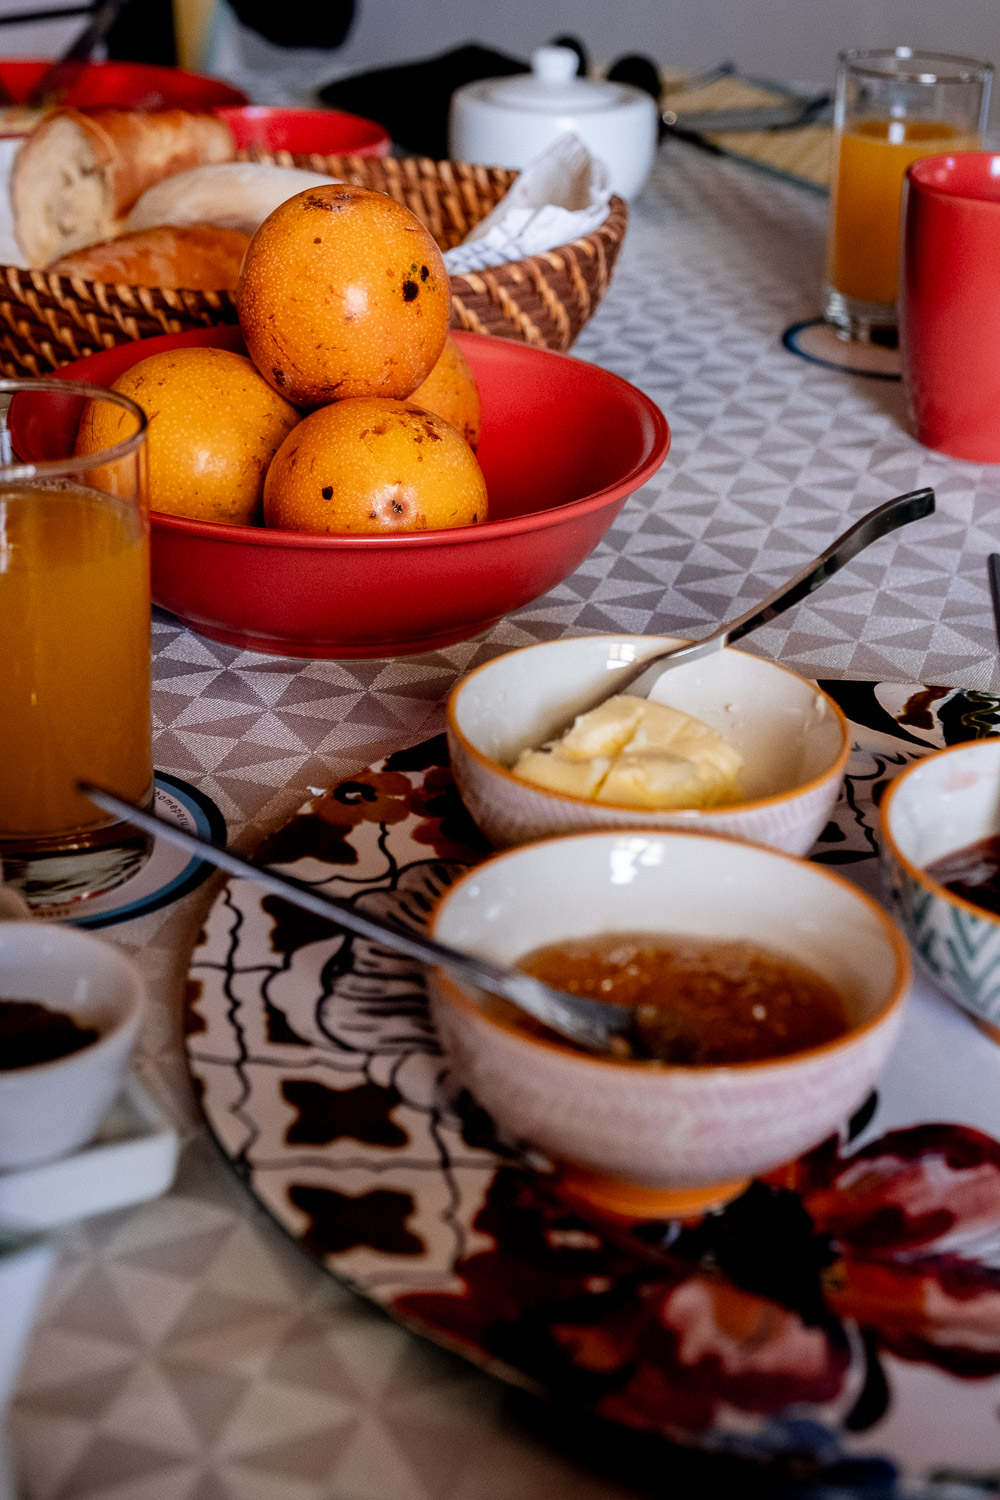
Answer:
[(635, 753)]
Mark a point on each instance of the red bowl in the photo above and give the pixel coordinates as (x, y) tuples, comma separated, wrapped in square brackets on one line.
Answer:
[(564, 445), (329, 132), (127, 85)]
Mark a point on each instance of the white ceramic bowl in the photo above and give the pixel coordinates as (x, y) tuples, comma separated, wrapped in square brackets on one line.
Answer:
[(794, 740), (51, 1108), (642, 1138), (940, 804)]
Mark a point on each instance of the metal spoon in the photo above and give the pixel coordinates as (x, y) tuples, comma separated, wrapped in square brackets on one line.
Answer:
[(639, 677), (993, 572), (595, 1025), (787, 114)]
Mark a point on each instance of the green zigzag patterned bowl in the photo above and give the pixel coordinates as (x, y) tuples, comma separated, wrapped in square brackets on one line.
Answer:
[(940, 804)]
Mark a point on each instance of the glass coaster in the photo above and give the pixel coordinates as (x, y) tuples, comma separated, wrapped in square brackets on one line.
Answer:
[(168, 874), (817, 341)]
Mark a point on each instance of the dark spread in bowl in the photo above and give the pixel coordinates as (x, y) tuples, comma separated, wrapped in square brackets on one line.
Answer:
[(698, 1001), (32, 1033), (973, 873)]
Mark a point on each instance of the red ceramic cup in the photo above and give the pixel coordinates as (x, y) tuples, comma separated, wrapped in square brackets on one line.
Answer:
[(949, 303)]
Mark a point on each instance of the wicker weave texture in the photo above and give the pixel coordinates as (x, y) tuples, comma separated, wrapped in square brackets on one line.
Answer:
[(47, 321)]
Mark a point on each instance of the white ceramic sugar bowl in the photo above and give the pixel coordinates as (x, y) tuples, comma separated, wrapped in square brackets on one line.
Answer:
[(505, 122)]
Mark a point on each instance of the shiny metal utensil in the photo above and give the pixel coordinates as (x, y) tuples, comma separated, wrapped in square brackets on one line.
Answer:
[(595, 1025), (637, 678), (993, 571), (786, 114), (701, 80)]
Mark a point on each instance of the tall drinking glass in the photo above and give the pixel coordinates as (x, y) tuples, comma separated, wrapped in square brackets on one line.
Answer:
[(893, 106), (74, 639)]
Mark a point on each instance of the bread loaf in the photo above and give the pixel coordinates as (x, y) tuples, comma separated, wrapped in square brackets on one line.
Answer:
[(20, 119), (77, 174), (200, 258), (236, 195)]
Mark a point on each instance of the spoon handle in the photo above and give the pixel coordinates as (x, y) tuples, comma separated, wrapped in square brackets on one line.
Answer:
[(993, 572), (877, 523), (590, 1023)]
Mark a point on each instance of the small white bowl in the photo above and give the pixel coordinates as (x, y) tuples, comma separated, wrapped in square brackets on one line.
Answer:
[(51, 1108), (939, 805), (640, 1138), (793, 738)]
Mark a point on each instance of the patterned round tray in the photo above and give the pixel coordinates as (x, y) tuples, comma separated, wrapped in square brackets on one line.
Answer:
[(841, 1319)]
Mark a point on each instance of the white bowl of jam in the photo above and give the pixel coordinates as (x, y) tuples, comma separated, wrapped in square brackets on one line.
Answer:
[(941, 856), (70, 1009), (791, 739), (780, 985)]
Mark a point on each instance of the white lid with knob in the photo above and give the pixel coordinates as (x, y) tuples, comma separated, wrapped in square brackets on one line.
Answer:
[(506, 122), (552, 87), (554, 64)]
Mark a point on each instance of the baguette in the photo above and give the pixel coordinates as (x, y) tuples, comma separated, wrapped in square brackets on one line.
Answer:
[(20, 119), (200, 258), (77, 174), (237, 195)]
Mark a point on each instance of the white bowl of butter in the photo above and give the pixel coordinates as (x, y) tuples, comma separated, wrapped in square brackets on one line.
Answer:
[(743, 748)]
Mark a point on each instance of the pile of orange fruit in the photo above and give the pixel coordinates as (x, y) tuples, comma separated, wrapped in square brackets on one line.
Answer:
[(355, 411)]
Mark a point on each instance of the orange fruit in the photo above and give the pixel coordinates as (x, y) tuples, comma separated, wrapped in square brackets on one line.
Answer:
[(343, 293), (371, 464), (451, 392), (214, 426)]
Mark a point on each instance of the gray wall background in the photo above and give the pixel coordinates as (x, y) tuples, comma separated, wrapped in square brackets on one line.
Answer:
[(788, 39), (792, 39)]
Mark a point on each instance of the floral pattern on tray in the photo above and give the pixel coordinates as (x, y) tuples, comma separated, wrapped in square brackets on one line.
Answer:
[(785, 1326)]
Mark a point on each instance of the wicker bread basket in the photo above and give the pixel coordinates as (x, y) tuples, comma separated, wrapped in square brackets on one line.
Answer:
[(47, 321)]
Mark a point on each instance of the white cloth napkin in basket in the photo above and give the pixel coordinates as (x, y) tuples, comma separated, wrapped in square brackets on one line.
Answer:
[(560, 196)]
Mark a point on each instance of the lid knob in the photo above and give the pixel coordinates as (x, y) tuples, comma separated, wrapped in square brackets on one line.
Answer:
[(554, 65)]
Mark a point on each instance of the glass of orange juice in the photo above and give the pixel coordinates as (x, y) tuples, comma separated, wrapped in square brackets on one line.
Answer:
[(74, 642), (893, 106)]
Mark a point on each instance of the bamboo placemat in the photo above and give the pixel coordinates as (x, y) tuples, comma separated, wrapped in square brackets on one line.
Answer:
[(802, 153)]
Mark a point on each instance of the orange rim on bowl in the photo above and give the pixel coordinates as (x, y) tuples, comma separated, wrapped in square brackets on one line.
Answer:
[(896, 939), (917, 872), (920, 877), (835, 768), (615, 1195)]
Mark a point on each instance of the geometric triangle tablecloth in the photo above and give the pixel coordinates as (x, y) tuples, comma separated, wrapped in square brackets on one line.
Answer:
[(186, 1350)]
